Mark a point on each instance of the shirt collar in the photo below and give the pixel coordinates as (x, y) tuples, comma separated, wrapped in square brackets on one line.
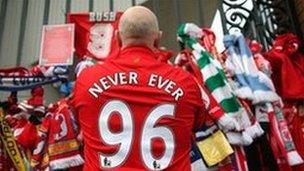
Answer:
[(139, 49)]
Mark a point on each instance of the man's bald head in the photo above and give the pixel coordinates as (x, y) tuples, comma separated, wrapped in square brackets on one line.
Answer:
[(138, 25)]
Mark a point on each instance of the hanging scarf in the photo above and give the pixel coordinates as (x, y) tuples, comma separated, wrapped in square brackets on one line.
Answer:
[(210, 144), (19, 78), (282, 134), (252, 83), (279, 128), (262, 91), (262, 64), (57, 138), (280, 138), (217, 83), (237, 161), (10, 144), (208, 40), (33, 108), (213, 75)]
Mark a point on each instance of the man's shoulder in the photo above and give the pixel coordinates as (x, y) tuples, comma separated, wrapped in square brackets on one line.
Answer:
[(179, 73), (182, 78), (93, 70)]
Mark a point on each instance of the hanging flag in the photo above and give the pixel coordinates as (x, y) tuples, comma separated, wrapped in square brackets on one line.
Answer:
[(95, 34), (57, 45)]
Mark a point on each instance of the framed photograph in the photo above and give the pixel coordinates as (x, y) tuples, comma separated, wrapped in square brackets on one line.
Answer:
[(57, 45)]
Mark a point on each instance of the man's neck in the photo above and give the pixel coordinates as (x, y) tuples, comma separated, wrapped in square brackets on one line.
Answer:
[(136, 43)]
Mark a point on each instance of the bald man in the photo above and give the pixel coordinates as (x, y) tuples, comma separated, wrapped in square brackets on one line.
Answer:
[(135, 112)]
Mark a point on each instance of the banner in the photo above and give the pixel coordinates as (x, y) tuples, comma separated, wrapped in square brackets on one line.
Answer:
[(95, 34), (57, 45)]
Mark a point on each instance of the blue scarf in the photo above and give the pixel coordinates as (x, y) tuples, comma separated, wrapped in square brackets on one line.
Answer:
[(252, 84)]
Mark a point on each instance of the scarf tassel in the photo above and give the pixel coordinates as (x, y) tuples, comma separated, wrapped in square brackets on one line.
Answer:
[(68, 162)]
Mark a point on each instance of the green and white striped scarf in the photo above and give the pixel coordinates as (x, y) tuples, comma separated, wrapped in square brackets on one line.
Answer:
[(212, 71)]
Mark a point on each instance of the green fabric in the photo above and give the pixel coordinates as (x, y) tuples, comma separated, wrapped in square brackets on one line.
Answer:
[(203, 62), (231, 105), (215, 81)]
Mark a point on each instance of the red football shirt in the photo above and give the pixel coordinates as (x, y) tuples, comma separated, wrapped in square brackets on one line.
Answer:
[(136, 113), (95, 34)]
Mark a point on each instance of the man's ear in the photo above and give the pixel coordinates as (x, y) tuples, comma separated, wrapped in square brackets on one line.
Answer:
[(118, 38), (160, 34), (157, 39)]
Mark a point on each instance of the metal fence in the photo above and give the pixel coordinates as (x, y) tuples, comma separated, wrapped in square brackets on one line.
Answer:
[(261, 20)]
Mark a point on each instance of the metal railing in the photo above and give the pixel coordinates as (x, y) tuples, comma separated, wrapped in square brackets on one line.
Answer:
[(261, 20)]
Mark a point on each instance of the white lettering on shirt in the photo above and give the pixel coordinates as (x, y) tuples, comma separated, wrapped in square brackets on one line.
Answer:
[(122, 78), (114, 80), (177, 93), (119, 78), (104, 83), (95, 89), (131, 78), (167, 85), (152, 80)]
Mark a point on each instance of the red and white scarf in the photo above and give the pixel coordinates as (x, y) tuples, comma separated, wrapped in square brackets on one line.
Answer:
[(58, 138)]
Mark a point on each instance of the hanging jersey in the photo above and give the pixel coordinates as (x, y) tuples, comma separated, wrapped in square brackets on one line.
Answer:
[(95, 34)]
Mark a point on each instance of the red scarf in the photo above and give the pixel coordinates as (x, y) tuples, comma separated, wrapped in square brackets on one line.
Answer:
[(57, 138), (295, 121)]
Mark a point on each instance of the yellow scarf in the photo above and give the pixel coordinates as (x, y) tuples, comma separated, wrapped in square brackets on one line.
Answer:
[(10, 143)]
